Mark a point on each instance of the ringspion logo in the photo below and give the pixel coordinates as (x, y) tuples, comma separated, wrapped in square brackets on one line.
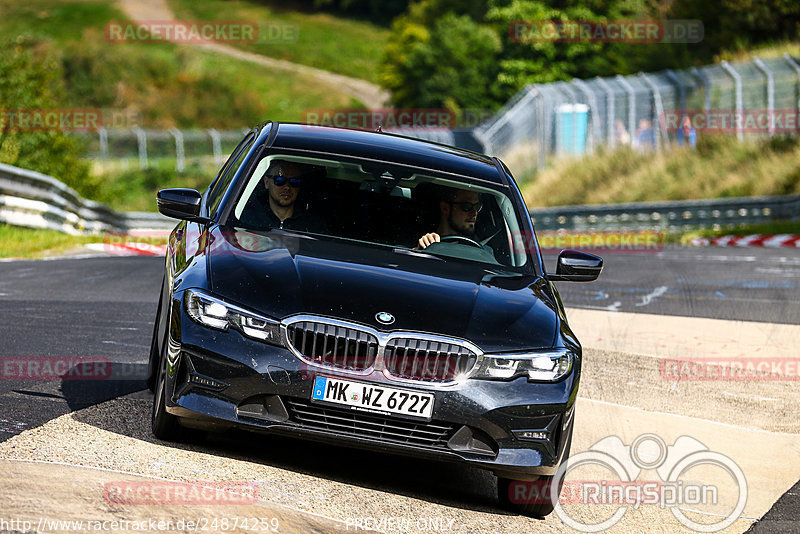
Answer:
[(688, 477)]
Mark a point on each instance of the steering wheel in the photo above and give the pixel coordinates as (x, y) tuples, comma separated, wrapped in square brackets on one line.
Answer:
[(461, 240)]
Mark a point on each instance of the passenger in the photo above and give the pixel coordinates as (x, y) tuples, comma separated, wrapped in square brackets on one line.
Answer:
[(458, 211), (283, 181)]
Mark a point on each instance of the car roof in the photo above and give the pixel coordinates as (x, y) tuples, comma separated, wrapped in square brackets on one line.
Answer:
[(382, 146)]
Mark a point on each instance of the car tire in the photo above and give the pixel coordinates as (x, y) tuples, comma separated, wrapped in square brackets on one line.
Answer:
[(165, 425), (152, 363), (534, 509)]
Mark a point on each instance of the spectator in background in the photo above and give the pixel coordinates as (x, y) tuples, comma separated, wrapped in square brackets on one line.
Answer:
[(621, 135), (686, 133), (645, 137)]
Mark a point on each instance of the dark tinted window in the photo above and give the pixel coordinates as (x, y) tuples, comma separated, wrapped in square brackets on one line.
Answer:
[(223, 181)]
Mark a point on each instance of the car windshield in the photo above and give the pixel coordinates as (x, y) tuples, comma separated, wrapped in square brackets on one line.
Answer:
[(382, 205)]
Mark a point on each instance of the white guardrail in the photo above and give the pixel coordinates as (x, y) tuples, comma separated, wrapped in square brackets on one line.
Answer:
[(35, 200)]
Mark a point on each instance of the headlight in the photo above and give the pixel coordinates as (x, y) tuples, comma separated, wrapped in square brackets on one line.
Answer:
[(215, 313), (547, 366)]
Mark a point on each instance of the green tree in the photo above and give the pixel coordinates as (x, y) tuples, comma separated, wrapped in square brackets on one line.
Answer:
[(375, 10), (739, 24), (445, 66), (31, 80)]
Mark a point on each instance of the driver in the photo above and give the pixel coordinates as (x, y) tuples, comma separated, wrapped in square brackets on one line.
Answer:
[(283, 181), (458, 212)]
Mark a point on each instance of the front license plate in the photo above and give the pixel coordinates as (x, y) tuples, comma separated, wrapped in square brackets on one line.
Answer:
[(372, 397)]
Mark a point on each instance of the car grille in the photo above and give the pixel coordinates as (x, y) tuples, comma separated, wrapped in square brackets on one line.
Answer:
[(420, 359), (335, 346), (352, 423), (400, 355)]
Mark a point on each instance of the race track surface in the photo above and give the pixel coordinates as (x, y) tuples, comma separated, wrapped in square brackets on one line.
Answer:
[(104, 307)]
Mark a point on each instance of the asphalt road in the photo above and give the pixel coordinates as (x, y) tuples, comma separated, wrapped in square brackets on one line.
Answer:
[(100, 308), (103, 308), (749, 284)]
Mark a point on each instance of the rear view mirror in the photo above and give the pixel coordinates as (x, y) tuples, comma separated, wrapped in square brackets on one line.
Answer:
[(181, 204), (575, 266)]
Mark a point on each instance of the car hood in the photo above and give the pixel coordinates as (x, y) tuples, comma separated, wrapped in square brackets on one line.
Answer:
[(281, 274)]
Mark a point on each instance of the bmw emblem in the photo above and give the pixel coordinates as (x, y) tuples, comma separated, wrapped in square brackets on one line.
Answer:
[(384, 318)]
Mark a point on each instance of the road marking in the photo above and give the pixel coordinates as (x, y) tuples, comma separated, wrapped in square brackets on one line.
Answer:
[(657, 292), (743, 396), (11, 427)]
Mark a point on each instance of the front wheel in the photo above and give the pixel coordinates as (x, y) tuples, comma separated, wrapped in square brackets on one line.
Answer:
[(165, 425), (531, 498)]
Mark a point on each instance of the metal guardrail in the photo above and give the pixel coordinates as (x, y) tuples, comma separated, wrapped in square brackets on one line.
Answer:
[(35, 200), (672, 215)]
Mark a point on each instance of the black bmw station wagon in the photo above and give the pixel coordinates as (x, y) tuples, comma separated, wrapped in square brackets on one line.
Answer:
[(373, 291)]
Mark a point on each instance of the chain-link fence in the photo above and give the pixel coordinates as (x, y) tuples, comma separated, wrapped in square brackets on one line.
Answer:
[(647, 111), (145, 147)]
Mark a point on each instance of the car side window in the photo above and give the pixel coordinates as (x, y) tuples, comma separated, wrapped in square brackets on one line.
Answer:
[(223, 181)]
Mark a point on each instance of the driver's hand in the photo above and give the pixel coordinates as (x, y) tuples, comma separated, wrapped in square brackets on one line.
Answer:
[(429, 239)]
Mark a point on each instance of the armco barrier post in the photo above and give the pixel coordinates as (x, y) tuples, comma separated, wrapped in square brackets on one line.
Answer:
[(180, 160), (792, 63), (658, 111), (631, 103), (737, 80), (141, 137), (610, 103), (700, 75), (760, 65)]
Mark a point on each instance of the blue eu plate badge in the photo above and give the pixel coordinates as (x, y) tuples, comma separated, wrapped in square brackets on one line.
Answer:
[(319, 387)]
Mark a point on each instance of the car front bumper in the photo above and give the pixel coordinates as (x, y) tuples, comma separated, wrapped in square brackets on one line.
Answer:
[(219, 379)]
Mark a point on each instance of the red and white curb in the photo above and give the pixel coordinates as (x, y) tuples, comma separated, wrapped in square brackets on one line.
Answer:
[(756, 240), (129, 249)]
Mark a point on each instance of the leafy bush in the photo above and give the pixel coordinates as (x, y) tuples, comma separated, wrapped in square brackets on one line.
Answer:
[(31, 80)]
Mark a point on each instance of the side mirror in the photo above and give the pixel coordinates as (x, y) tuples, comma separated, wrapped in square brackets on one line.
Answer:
[(181, 204), (574, 266)]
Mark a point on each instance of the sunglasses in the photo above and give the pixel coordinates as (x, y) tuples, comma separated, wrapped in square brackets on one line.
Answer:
[(280, 181), (468, 206)]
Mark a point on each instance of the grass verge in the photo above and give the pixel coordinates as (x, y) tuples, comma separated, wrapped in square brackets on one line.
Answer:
[(345, 46), (18, 242), (719, 167), (33, 243), (163, 85)]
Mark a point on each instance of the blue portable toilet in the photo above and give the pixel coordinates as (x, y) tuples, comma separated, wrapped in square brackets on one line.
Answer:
[(572, 126)]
